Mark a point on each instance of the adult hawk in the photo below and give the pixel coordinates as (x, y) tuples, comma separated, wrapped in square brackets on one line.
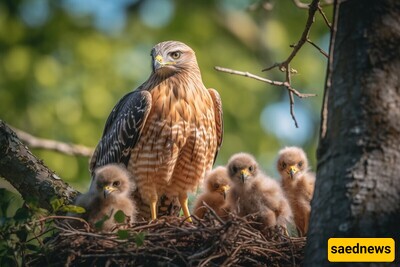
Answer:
[(167, 132)]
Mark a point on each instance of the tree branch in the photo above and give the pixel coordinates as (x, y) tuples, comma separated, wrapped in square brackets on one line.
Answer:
[(258, 78), (325, 18), (41, 143), (313, 7), (285, 84), (318, 48), (28, 174)]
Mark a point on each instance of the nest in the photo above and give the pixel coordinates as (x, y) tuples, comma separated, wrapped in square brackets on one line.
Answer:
[(172, 241)]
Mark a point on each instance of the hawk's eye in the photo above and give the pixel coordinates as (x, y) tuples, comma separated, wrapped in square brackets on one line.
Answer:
[(251, 168), (216, 186), (116, 183), (284, 165), (176, 54), (234, 169), (300, 164)]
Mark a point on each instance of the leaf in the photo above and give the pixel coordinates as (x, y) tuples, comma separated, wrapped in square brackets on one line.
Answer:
[(123, 234), (119, 216), (56, 203), (99, 223), (22, 214), (139, 239), (32, 247), (22, 235), (72, 208)]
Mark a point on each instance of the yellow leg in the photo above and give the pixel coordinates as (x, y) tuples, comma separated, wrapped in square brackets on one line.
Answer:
[(153, 208), (183, 200)]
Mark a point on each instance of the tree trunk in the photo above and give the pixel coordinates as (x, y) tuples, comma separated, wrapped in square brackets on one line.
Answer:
[(358, 175), (28, 174)]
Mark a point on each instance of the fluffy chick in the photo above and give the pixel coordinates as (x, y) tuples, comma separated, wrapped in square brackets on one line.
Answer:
[(215, 187), (298, 184), (254, 192), (109, 192)]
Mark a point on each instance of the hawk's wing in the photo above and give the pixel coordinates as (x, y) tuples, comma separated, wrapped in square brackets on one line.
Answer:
[(122, 130), (219, 122)]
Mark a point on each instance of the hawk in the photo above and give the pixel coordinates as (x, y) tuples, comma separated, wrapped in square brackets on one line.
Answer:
[(298, 184), (109, 192), (216, 185), (253, 192), (167, 132)]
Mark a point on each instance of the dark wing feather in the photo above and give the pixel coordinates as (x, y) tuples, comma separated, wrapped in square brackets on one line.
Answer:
[(122, 129), (219, 121)]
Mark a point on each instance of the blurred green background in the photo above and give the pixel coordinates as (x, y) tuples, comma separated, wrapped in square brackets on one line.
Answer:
[(64, 65)]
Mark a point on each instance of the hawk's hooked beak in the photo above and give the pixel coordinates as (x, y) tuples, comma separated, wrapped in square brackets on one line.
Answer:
[(223, 189), (108, 190), (159, 63), (292, 171), (244, 174)]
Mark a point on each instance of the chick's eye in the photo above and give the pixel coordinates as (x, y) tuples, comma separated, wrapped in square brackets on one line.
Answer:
[(284, 165), (300, 164), (216, 186), (234, 169), (251, 168), (116, 183), (176, 54)]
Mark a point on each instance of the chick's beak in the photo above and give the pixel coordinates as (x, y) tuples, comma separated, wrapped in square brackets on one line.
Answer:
[(224, 189), (292, 171), (244, 174), (108, 190)]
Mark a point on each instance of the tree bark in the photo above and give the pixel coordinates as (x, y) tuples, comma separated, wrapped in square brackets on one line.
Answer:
[(358, 174), (28, 174)]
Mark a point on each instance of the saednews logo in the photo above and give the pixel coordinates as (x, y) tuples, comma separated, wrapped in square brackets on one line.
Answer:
[(361, 250)]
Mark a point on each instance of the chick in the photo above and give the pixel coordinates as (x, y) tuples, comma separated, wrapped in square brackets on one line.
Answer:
[(254, 192), (214, 195), (109, 192), (298, 185)]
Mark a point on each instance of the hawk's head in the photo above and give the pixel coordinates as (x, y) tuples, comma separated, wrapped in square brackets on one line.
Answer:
[(292, 162), (242, 167), (217, 181), (172, 57), (112, 180)]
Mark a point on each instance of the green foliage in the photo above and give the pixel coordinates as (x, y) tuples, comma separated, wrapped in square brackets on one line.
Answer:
[(123, 234), (99, 224), (58, 205), (20, 233), (73, 209), (119, 216), (139, 239)]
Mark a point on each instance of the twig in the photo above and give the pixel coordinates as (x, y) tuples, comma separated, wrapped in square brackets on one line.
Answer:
[(300, 4), (285, 65), (252, 76), (325, 18), (41, 143), (285, 84), (312, 9), (318, 48)]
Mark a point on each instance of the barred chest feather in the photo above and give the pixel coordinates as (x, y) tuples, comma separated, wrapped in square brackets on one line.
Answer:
[(178, 142)]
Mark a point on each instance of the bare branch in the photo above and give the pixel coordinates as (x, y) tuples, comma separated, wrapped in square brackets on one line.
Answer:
[(318, 48), (65, 148), (313, 7), (325, 18), (291, 98), (253, 76), (300, 4)]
